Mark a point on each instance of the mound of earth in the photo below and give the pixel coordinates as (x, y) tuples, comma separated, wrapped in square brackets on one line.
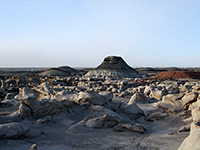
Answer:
[(114, 67), (175, 69), (55, 72), (144, 70), (67, 69), (178, 75)]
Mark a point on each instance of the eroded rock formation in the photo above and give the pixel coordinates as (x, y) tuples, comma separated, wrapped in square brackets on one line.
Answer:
[(113, 67)]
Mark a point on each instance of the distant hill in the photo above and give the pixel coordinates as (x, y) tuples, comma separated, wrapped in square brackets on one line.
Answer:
[(178, 75)]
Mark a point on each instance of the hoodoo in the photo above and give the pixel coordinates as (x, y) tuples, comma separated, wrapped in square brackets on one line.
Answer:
[(113, 67)]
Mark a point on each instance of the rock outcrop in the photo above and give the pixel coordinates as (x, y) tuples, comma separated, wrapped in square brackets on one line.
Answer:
[(192, 141), (138, 98), (94, 98), (15, 130), (111, 100), (32, 103), (113, 67)]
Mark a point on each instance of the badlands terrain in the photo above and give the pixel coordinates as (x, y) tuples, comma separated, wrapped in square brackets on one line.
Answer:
[(110, 107)]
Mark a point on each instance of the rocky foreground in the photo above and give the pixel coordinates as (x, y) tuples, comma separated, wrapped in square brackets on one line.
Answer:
[(79, 112)]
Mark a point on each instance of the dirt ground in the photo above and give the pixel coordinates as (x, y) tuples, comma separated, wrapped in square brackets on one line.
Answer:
[(160, 135)]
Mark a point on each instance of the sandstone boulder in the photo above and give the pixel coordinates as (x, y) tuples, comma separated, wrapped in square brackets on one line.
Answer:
[(196, 114), (105, 121), (157, 94), (16, 130), (195, 104), (191, 142), (138, 98), (132, 110), (172, 101), (94, 98), (189, 98), (196, 88), (42, 107), (194, 126), (147, 90)]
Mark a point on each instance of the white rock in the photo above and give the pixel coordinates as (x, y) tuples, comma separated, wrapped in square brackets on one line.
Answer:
[(189, 98), (191, 142), (138, 98)]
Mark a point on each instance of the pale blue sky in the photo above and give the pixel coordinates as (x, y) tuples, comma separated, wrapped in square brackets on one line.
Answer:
[(80, 33)]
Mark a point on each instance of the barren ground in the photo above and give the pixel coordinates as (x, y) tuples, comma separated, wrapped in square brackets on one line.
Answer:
[(161, 135)]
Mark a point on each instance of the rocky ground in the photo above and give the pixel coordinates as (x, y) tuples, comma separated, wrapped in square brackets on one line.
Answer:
[(90, 113), (79, 112)]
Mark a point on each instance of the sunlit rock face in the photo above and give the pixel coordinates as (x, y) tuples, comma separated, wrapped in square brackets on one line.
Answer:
[(113, 67)]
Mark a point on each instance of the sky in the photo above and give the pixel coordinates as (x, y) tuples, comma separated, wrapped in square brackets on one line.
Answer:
[(81, 33)]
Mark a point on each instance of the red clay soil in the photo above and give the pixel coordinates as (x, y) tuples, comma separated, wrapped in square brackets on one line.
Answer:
[(178, 75)]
